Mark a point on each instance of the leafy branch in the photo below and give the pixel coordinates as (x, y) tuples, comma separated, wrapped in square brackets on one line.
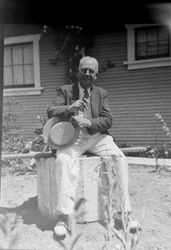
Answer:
[(72, 44)]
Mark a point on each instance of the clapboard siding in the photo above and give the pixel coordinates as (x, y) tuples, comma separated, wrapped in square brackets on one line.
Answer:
[(134, 95)]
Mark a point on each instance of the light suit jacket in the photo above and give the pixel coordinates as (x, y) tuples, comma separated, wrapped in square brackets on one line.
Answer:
[(101, 117)]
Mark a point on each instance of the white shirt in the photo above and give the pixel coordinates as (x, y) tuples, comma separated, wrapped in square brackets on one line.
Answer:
[(81, 95), (81, 92)]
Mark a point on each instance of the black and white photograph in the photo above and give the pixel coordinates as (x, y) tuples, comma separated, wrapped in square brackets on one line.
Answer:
[(85, 125)]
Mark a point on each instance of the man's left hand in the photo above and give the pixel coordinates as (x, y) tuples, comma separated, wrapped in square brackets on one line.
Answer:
[(81, 121)]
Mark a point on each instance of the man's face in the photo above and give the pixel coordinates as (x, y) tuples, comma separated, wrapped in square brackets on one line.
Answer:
[(86, 76)]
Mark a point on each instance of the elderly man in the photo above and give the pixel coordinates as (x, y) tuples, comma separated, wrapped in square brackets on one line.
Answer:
[(88, 106)]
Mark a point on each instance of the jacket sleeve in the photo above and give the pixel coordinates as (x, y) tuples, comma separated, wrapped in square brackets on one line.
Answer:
[(103, 121), (60, 106)]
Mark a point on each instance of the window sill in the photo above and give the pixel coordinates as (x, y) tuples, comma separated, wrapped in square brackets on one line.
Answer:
[(22, 91), (148, 63)]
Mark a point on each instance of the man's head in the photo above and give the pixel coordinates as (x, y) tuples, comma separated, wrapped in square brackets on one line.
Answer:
[(87, 71)]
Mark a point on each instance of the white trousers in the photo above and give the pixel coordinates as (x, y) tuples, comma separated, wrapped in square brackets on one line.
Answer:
[(67, 163)]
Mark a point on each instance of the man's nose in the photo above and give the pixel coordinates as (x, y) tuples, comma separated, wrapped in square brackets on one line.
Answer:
[(87, 72)]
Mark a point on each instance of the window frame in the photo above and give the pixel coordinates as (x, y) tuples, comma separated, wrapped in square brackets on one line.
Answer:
[(131, 62), (36, 90)]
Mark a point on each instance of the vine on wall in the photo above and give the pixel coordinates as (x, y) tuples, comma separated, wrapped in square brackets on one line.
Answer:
[(72, 43)]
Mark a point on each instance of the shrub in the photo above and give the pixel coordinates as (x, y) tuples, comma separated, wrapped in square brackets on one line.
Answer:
[(12, 140)]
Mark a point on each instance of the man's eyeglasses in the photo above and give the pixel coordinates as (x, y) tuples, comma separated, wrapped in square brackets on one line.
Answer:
[(87, 70)]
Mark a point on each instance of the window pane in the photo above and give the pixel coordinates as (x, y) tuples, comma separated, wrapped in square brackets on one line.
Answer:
[(141, 36), (8, 80), (163, 49), (17, 55), (163, 43), (29, 74), (7, 56), (163, 34), (152, 35), (18, 75), (152, 48), (28, 54), (141, 50)]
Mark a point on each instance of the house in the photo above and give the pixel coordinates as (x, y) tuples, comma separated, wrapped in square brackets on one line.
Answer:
[(135, 68)]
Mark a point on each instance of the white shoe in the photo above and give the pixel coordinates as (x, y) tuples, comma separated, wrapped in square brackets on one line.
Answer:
[(133, 225), (60, 230)]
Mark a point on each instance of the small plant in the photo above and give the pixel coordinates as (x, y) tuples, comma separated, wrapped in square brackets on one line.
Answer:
[(37, 144), (12, 140), (9, 230), (111, 190), (165, 128), (157, 151)]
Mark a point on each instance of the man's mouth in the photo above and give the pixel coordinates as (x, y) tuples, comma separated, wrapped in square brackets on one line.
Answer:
[(86, 78)]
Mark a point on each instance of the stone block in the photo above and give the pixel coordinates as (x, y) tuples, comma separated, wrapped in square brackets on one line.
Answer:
[(92, 186)]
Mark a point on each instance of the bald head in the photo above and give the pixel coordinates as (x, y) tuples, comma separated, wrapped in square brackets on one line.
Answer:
[(88, 62)]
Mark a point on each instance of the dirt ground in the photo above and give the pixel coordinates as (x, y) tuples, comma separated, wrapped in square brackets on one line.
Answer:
[(150, 194)]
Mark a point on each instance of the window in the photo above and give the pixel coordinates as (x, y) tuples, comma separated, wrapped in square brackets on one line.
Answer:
[(151, 42), (21, 65), (148, 46), (18, 66)]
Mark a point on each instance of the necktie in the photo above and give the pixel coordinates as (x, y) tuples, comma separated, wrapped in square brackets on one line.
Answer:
[(86, 94)]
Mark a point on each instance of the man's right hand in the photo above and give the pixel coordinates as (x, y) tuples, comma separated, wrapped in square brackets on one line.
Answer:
[(76, 106)]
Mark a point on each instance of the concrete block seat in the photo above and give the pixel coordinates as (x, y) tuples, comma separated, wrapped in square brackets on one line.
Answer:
[(92, 185)]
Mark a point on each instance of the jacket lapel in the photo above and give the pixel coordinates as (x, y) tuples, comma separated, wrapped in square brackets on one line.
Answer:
[(75, 92)]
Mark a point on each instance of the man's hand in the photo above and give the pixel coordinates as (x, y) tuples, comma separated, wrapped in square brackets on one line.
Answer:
[(81, 121), (78, 105)]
